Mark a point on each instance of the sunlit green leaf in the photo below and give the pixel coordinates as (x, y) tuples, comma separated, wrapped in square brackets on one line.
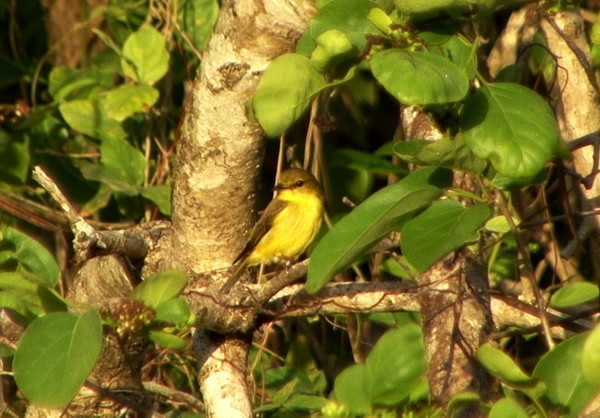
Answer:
[(90, 118), (347, 16), (561, 371), (160, 287), (590, 358), (382, 213), (59, 347), (512, 127), (33, 256), (145, 57), (392, 370), (446, 152), (127, 99), (442, 228), (166, 340), (284, 92), (507, 408), (419, 77), (175, 311), (198, 18), (572, 294), (160, 195), (68, 83)]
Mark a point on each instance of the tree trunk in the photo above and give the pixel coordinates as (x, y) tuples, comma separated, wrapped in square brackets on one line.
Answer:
[(219, 156)]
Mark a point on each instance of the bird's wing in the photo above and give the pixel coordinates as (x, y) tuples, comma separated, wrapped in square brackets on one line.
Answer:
[(261, 228)]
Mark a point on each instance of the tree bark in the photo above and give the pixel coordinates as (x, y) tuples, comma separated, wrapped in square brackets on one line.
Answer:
[(219, 155), (454, 304)]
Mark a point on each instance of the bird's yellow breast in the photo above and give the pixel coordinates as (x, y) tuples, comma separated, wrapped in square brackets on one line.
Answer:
[(293, 229)]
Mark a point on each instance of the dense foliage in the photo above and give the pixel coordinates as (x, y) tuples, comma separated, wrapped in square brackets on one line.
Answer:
[(106, 130)]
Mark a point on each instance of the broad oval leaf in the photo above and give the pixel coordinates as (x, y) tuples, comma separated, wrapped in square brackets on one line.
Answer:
[(175, 311), (507, 408), (443, 227), (590, 357), (420, 6), (198, 18), (33, 256), (127, 99), (351, 391), (349, 17), (561, 371), (419, 78), (160, 195), (160, 287), (499, 364), (166, 340), (89, 117), (445, 152), (145, 57), (395, 365), (59, 347), (284, 92), (65, 82), (512, 127), (383, 212), (392, 370), (573, 294)]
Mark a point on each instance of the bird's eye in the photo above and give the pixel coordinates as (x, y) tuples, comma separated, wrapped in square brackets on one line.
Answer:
[(299, 183)]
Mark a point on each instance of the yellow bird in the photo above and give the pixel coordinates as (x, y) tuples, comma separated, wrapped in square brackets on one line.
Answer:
[(288, 225)]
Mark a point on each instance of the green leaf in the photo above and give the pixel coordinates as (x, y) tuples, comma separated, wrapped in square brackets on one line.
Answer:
[(419, 78), (350, 17), (160, 287), (55, 356), (284, 92), (15, 157), (350, 389), (512, 127), (561, 371), (507, 408), (160, 195), (122, 166), (145, 57), (446, 152), (19, 305), (127, 99), (65, 82), (330, 47), (590, 358), (573, 294), (20, 295), (360, 160), (175, 311), (166, 340), (33, 256), (456, 48), (51, 300), (392, 370), (383, 212), (395, 365), (198, 18), (123, 160), (90, 118), (419, 6), (302, 402), (501, 365), (442, 228)]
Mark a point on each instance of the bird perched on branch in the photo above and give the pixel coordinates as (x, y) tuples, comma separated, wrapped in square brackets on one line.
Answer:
[(287, 226)]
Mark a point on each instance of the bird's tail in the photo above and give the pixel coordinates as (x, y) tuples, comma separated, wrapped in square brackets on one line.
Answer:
[(237, 273)]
